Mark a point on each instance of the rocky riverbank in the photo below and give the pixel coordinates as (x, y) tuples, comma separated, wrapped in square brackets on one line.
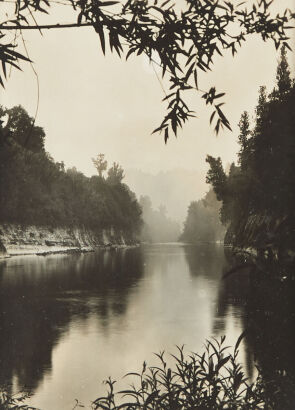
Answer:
[(30, 240)]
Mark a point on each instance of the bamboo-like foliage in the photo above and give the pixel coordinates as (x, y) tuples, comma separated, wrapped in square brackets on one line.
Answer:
[(184, 42), (14, 401), (213, 380)]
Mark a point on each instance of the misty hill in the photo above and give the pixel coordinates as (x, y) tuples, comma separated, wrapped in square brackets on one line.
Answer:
[(157, 227), (175, 189)]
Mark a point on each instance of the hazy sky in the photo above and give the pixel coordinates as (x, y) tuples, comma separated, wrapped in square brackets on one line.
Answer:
[(93, 104)]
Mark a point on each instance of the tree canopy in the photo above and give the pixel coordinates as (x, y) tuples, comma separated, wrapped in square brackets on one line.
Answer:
[(100, 164), (183, 42), (258, 193), (115, 174), (36, 190)]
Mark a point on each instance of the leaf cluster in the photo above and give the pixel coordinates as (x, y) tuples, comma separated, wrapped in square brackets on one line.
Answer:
[(14, 401), (212, 380), (185, 42)]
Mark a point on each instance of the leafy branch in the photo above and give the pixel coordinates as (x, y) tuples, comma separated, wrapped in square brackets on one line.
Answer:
[(184, 41)]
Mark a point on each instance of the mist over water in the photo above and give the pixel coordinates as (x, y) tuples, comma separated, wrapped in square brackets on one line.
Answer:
[(174, 188)]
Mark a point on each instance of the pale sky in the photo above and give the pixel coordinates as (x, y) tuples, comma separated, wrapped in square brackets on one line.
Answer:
[(92, 104)]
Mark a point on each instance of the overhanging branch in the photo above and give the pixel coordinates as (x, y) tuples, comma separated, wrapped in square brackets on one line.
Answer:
[(43, 27)]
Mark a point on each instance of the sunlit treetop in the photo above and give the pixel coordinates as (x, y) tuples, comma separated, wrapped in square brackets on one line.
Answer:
[(183, 41)]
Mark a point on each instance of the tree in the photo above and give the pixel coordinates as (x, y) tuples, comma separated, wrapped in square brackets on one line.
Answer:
[(100, 164), (21, 128), (184, 41), (115, 174), (283, 73), (244, 125), (36, 190), (216, 176), (146, 204), (202, 223), (258, 196)]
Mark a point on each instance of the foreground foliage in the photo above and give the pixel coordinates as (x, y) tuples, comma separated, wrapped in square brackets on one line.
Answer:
[(13, 401), (183, 42), (213, 380)]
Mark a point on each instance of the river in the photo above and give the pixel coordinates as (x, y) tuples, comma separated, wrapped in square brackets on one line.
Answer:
[(68, 322)]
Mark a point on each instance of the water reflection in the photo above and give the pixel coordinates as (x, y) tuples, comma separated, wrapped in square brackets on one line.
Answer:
[(39, 297), (69, 321), (267, 313), (207, 260)]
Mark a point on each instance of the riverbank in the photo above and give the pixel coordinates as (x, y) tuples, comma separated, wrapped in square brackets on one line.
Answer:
[(35, 240)]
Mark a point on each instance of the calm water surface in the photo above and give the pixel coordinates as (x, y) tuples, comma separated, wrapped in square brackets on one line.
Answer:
[(67, 322)]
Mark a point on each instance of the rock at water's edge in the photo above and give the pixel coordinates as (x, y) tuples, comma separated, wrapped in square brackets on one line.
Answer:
[(45, 240)]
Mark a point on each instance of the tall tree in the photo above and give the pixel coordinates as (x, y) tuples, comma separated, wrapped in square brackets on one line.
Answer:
[(283, 73), (100, 164), (216, 176), (258, 196)]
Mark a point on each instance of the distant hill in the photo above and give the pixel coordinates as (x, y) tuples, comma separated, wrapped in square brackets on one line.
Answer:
[(174, 189)]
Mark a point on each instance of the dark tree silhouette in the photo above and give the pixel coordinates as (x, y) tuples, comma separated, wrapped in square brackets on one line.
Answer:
[(100, 164), (20, 127), (258, 195)]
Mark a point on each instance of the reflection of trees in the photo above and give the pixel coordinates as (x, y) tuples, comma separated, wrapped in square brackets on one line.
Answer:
[(205, 259), (268, 313), (40, 296)]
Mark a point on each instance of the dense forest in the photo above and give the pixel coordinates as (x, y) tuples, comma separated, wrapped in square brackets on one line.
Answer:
[(34, 189), (258, 197), (202, 223)]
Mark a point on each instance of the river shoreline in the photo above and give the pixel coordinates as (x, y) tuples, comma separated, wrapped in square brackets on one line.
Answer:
[(16, 240), (55, 251)]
